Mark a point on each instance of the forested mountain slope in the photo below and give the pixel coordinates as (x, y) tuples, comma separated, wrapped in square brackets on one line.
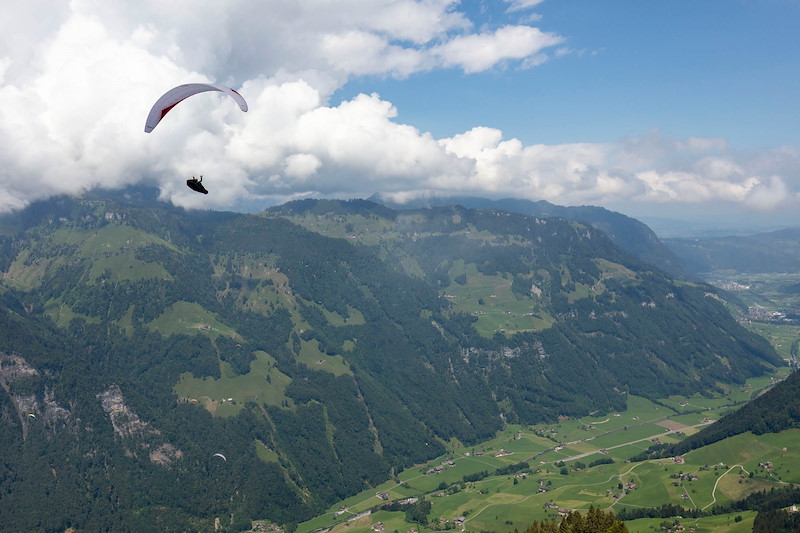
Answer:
[(617, 321), (630, 234), (319, 348)]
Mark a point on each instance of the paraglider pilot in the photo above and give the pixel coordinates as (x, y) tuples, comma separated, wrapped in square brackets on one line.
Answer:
[(196, 185)]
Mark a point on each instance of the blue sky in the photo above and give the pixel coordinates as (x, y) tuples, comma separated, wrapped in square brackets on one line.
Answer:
[(696, 68), (683, 108)]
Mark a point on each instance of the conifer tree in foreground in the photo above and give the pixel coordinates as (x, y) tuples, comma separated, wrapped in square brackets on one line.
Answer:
[(595, 521)]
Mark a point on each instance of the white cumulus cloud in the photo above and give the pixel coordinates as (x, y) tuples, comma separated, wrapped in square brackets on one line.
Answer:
[(77, 80), (477, 52)]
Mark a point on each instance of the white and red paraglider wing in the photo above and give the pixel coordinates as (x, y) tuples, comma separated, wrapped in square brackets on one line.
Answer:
[(177, 94)]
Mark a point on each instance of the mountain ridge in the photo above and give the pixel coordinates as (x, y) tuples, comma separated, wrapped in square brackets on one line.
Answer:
[(147, 340), (628, 233)]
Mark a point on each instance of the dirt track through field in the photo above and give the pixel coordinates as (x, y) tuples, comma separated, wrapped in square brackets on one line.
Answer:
[(673, 425)]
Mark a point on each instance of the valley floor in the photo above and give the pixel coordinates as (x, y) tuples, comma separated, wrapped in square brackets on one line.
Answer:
[(571, 468)]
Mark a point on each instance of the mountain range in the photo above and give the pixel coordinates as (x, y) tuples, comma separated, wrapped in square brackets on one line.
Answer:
[(163, 368)]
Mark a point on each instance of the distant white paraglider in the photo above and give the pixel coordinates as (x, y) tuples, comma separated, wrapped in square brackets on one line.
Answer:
[(180, 93), (220, 455)]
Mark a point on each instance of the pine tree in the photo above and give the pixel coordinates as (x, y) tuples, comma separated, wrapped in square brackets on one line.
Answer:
[(596, 521)]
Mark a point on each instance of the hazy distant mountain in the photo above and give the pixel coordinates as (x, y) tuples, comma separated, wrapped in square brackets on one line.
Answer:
[(775, 251), (628, 233), (170, 367)]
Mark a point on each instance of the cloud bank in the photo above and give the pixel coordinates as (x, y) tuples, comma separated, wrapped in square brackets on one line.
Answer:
[(77, 80)]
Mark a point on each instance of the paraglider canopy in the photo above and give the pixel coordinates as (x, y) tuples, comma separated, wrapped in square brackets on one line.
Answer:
[(196, 185), (220, 455), (180, 93)]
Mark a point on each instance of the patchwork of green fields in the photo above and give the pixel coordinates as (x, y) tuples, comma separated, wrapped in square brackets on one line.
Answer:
[(784, 337), (559, 477), (490, 504)]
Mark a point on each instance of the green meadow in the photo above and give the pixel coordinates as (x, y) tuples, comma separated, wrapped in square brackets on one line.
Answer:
[(489, 298), (111, 248), (311, 356), (226, 396), (62, 314), (265, 453), (726, 523), (190, 318)]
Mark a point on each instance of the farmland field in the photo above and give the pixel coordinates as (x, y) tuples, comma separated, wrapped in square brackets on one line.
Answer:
[(559, 478), (501, 503)]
